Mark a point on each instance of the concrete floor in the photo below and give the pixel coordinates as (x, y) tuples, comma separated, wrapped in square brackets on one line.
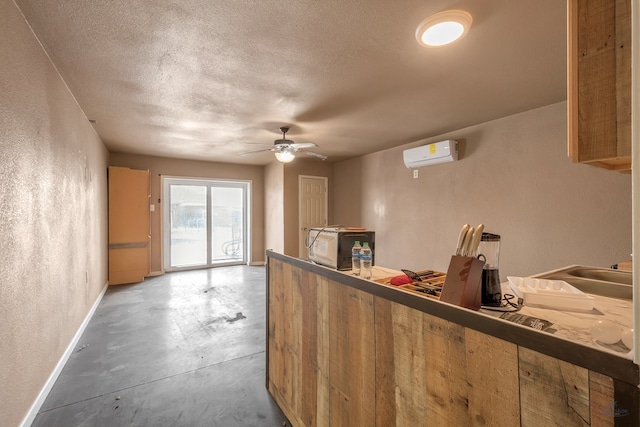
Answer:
[(183, 349)]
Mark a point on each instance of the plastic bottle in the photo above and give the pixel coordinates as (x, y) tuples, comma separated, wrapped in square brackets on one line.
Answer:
[(366, 258), (355, 258)]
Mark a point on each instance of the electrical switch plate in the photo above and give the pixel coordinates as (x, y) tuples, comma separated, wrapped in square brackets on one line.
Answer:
[(152, 208), (415, 173)]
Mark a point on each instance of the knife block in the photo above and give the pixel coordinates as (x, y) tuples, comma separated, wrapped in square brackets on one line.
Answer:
[(463, 283)]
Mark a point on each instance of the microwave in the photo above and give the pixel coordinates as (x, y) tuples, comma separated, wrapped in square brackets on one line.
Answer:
[(331, 247)]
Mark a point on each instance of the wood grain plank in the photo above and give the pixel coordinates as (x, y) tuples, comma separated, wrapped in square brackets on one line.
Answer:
[(338, 355), (410, 372), (447, 386), (602, 400), (596, 77), (276, 324), (623, 45), (309, 324), (323, 345), (384, 363), (295, 368), (361, 364), (492, 374), (576, 381), (351, 362), (277, 346), (552, 392), (288, 337), (572, 80)]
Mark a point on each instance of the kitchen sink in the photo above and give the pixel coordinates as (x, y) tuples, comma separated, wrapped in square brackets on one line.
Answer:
[(595, 280)]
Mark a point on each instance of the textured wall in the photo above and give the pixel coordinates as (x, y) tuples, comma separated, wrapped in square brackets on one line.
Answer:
[(53, 216), (514, 176), (274, 206), (198, 169), (292, 171)]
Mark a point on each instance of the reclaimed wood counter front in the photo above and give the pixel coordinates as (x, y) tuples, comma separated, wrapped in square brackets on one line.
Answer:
[(343, 351)]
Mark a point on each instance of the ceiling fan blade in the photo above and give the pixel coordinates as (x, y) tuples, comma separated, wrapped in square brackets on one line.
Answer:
[(300, 145), (283, 145), (257, 151), (311, 153)]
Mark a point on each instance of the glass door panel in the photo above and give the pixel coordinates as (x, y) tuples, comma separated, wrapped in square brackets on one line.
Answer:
[(188, 225), (227, 232)]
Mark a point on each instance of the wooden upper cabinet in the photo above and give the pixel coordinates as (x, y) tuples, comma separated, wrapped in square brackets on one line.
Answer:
[(599, 82)]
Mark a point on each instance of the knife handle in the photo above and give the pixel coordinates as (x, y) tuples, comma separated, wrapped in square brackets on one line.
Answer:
[(461, 238), (477, 236), (466, 245)]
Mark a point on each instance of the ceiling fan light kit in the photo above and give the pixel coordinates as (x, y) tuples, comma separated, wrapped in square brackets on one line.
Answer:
[(444, 28), (285, 156), (285, 149)]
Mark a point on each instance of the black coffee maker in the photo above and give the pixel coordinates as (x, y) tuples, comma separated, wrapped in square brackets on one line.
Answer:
[(489, 249)]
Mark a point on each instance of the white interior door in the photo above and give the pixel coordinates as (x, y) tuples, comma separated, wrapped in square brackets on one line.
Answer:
[(312, 203)]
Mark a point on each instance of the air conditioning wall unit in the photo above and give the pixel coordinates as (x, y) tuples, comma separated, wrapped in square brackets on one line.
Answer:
[(431, 154)]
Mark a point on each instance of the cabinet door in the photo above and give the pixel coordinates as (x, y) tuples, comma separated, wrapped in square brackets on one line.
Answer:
[(599, 83), (128, 225)]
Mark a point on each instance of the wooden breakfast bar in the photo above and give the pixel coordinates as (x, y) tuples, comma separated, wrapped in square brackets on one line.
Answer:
[(344, 351)]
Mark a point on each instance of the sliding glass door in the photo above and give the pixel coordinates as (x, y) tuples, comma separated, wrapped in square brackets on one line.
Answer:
[(204, 223), (227, 223)]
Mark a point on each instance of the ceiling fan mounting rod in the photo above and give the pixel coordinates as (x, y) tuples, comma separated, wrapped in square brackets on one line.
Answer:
[(284, 130)]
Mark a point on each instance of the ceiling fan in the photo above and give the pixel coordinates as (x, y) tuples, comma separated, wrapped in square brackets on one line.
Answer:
[(285, 149)]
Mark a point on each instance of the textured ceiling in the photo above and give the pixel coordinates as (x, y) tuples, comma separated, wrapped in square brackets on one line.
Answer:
[(203, 79)]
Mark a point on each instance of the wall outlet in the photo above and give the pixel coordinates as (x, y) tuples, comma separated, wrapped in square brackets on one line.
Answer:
[(415, 173)]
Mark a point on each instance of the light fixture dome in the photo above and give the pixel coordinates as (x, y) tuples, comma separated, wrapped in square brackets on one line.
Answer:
[(443, 28), (285, 156)]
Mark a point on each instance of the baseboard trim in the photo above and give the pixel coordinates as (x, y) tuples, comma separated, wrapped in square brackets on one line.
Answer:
[(258, 263), (37, 404)]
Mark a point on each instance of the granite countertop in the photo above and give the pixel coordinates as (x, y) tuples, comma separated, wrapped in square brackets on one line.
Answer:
[(576, 325)]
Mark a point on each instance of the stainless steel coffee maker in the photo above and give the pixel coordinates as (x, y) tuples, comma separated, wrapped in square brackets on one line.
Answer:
[(489, 249)]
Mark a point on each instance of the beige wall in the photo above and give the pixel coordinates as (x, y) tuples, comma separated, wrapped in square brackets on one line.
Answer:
[(514, 176), (274, 206), (53, 219), (197, 169), (292, 171)]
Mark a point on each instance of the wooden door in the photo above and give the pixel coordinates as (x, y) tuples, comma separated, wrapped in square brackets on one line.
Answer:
[(128, 225)]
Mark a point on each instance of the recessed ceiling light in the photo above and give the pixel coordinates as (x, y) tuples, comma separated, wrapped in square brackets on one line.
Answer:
[(443, 28)]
